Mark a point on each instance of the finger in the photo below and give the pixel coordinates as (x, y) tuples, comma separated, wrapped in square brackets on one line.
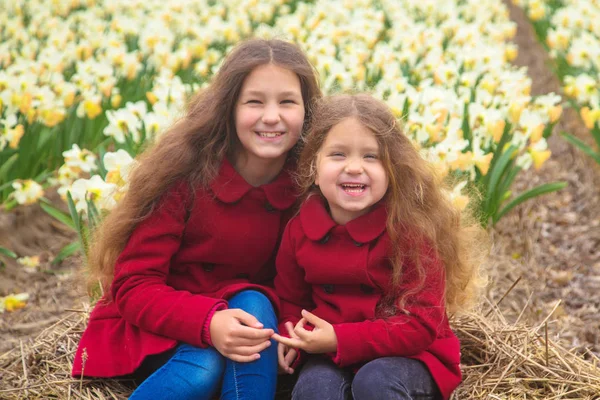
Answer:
[(302, 333), (290, 342), (252, 333), (301, 323), (312, 318), (249, 350), (290, 328), (247, 319), (290, 357), (281, 358), (237, 341), (244, 359)]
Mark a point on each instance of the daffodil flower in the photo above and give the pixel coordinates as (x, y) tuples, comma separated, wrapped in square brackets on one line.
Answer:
[(13, 302), (27, 191)]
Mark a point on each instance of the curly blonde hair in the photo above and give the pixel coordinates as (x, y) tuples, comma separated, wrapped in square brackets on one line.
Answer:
[(416, 201)]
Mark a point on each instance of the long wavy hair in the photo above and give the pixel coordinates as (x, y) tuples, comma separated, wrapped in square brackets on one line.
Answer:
[(418, 208), (193, 148)]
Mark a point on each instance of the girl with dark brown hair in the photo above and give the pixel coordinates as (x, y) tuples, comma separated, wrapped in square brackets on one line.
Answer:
[(368, 268), (186, 257)]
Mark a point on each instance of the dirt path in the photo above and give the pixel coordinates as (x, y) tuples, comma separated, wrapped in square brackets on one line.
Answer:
[(29, 231), (553, 242)]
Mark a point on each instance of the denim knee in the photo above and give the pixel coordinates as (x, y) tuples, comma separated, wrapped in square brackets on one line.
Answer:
[(191, 373), (208, 359), (322, 379), (394, 378), (371, 382), (257, 304)]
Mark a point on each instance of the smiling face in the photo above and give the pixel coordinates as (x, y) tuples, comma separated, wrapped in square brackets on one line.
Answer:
[(349, 172), (269, 114)]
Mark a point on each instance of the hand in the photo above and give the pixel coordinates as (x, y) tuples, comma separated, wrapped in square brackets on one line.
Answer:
[(286, 357), (238, 335), (322, 339)]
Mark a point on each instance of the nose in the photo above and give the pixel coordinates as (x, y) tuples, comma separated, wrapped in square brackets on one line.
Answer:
[(271, 115), (354, 165)]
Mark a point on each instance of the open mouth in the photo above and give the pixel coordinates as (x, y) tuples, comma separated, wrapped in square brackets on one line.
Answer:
[(353, 188), (269, 135)]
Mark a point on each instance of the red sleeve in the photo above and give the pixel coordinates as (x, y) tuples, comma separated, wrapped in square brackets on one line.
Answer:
[(293, 291), (401, 335), (139, 288)]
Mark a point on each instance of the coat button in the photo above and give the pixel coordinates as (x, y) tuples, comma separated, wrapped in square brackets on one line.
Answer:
[(366, 289), (328, 288), (208, 267), (325, 239), (358, 244), (269, 207), (242, 276)]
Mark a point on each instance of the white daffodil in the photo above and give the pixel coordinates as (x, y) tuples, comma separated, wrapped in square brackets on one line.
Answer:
[(118, 166), (94, 189), (121, 123), (78, 159), (27, 191), (11, 132)]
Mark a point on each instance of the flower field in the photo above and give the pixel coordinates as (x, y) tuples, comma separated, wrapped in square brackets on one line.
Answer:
[(570, 31), (86, 85)]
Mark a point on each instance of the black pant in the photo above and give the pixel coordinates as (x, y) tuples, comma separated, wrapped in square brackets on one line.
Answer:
[(387, 378)]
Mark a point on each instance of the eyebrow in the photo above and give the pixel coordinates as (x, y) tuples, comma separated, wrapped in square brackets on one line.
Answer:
[(261, 93), (341, 146)]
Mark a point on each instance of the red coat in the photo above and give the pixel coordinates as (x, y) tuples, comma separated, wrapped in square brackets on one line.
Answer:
[(339, 272), (171, 274)]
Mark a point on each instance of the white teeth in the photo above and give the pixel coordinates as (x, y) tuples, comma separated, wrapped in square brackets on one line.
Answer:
[(269, 134), (353, 187)]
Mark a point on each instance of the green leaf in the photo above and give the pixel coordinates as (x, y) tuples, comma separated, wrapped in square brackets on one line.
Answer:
[(504, 186), (73, 212), (79, 223), (6, 252), (495, 175), (57, 214), (7, 184), (595, 133), (6, 166), (10, 204), (535, 192), (499, 147), (66, 251), (582, 146), (93, 214)]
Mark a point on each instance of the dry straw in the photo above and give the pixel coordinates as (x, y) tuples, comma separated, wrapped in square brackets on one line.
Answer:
[(501, 360)]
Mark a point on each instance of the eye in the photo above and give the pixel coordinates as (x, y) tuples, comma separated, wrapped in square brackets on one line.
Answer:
[(371, 156), (288, 101), (337, 155), (253, 101)]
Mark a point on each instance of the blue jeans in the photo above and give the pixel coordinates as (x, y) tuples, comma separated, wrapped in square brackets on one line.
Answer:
[(390, 378), (195, 373)]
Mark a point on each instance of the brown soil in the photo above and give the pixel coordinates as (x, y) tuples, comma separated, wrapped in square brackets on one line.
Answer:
[(29, 231), (553, 242)]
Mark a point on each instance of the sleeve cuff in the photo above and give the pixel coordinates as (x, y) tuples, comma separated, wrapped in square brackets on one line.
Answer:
[(206, 326)]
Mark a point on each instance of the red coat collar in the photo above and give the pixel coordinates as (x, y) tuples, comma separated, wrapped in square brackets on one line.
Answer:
[(316, 221), (230, 187)]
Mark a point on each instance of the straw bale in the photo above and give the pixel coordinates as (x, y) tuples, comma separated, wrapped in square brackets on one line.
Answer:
[(500, 361)]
